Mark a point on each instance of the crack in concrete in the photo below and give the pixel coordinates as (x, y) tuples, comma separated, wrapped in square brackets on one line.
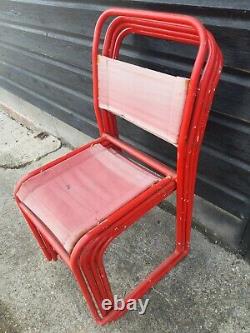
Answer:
[(23, 165)]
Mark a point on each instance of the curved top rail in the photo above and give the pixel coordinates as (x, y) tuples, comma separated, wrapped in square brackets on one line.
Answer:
[(160, 17)]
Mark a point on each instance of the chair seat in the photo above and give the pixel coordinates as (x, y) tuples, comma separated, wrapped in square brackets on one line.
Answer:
[(75, 195)]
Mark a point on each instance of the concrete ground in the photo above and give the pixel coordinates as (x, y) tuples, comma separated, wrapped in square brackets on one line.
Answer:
[(208, 292)]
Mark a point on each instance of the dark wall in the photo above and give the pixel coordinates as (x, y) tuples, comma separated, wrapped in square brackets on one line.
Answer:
[(45, 48)]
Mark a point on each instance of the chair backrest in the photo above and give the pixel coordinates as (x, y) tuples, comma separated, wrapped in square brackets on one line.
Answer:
[(151, 100), (172, 108)]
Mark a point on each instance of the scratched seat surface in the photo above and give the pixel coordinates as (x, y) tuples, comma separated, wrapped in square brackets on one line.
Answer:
[(73, 196)]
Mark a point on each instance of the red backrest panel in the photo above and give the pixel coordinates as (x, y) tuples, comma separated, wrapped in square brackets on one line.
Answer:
[(151, 100)]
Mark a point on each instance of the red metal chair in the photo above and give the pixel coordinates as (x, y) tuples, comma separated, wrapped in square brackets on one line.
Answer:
[(109, 183)]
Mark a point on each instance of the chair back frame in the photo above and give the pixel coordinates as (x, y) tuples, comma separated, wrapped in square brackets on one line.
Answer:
[(203, 81)]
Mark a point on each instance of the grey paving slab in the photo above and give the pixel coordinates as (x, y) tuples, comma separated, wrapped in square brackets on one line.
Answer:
[(20, 146)]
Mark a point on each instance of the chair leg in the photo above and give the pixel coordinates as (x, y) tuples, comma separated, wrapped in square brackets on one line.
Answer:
[(92, 274), (143, 287), (98, 277), (99, 263), (86, 291), (191, 197), (184, 207), (99, 272), (50, 249), (46, 248), (188, 219)]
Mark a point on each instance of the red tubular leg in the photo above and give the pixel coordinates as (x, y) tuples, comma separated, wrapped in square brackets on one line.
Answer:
[(118, 228), (37, 235), (187, 183), (215, 73), (95, 281)]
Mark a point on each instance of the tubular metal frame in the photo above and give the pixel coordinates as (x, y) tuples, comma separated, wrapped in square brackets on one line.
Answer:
[(86, 259)]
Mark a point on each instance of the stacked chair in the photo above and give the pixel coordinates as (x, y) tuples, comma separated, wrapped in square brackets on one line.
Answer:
[(79, 203)]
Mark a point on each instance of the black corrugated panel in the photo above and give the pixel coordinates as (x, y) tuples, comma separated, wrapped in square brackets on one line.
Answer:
[(45, 48)]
